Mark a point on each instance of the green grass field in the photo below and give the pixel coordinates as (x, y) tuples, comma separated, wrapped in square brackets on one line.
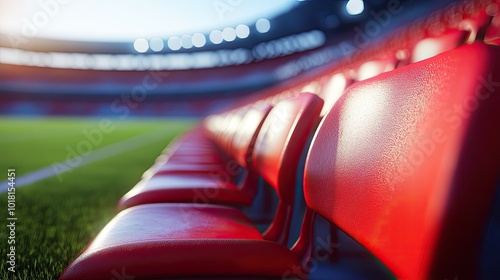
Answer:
[(58, 216)]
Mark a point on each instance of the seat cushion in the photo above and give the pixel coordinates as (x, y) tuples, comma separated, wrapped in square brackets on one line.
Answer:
[(183, 168), (186, 168), (173, 240), (195, 151), (200, 188), (203, 159)]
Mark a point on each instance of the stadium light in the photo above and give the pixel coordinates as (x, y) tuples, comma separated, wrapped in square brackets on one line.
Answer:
[(141, 45), (355, 7), (263, 25)]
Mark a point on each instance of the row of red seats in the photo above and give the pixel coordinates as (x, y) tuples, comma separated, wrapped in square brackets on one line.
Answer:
[(405, 162), (461, 22)]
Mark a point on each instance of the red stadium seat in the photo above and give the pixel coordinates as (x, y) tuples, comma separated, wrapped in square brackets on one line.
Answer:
[(189, 240), (219, 144), (179, 240), (373, 68), (407, 163), (179, 168), (167, 163), (206, 182), (223, 132), (333, 89), (204, 145), (432, 46), (192, 147)]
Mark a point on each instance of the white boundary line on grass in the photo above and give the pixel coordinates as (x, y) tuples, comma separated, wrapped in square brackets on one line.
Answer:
[(96, 155)]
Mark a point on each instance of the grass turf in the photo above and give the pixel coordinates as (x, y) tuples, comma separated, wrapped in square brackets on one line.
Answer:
[(57, 218)]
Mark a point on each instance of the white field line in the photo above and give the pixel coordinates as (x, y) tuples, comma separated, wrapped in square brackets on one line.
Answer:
[(96, 155)]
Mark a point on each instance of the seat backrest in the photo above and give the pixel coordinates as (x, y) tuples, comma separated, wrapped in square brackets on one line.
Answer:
[(373, 68), (281, 139), (221, 128), (244, 138), (432, 46), (407, 162), (332, 90)]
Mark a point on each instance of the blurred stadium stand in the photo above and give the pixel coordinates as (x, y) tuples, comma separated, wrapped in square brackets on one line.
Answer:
[(50, 76)]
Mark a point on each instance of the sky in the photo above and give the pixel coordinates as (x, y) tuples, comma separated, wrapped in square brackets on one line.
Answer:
[(127, 20)]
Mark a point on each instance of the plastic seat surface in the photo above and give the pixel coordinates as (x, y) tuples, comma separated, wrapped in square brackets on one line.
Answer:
[(165, 240), (407, 163), (192, 188), (177, 240), (206, 178), (188, 168)]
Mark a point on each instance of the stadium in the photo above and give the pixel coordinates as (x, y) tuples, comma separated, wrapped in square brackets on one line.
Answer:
[(238, 139)]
